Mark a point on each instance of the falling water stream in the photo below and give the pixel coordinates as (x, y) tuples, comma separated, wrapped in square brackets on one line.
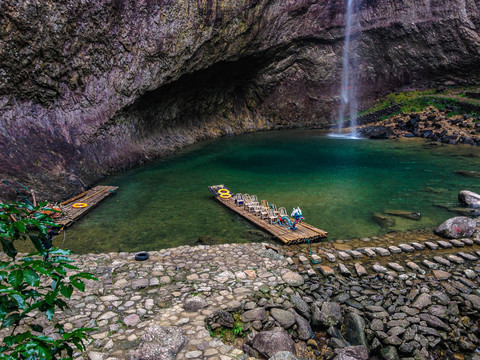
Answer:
[(348, 93)]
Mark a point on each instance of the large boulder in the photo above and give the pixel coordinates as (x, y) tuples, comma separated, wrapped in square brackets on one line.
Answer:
[(354, 326), (457, 227), (268, 343), (283, 355), (160, 343), (285, 318), (375, 132), (331, 314), (469, 198)]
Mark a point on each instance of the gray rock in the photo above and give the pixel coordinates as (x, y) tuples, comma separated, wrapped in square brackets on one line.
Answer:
[(331, 314), (422, 301), (441, 260), (467, 256), (469, 198), (254, 314), (131, 320), (455, 259), (342, 269), (304, 329), (269, 343), (396, 266), (382, 251), (220, 318), (394, 249), (140, 284), (376, 325), (343, 255), (160, 343), (285, 318), (444, 244), (379, 268), (301, 306), (354, 326), (441, 275), (283, 355), (361, 271), (434, 321), (417, 246), (457, 227), (95, 355), (389, 353), (293, 279), (351, 353), (406, 248), (194, 303), (457, 243), (431, 245)]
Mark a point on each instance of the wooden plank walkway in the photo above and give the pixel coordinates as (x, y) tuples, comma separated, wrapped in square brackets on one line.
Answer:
[(90, 197), (288, 236)]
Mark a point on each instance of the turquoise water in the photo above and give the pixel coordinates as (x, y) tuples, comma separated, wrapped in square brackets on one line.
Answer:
[(338, 183)]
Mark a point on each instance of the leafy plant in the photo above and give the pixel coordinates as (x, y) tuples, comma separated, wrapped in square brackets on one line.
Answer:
[(32, 288)]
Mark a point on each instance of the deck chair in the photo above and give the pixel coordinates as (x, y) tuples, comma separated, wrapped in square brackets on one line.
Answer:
[(272, 217), (264, 209), (274, 208), (282, 211), (239, 199), (250, 205), (257, 210)]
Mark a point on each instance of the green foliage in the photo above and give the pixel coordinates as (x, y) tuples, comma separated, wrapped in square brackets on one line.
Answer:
[(20, 221), (34, 287)]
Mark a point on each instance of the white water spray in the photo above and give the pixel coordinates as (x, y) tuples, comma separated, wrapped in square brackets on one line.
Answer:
[(348, 94)]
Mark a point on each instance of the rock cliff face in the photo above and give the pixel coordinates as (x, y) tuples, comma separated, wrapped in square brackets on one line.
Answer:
[(92, 87)]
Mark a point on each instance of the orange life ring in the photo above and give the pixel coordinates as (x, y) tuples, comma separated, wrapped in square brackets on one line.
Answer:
[(79, 205), (225, 196)]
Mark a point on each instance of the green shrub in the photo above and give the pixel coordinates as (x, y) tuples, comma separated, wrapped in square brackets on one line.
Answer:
[(32, 288)]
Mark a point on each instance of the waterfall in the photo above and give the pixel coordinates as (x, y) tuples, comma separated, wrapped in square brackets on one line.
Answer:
[(348, 92)]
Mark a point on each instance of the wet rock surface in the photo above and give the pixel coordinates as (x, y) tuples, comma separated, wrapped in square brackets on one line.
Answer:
[(112, 85)]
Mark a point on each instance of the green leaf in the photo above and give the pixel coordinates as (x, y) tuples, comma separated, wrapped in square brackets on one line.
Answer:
[(20, 226), (80, 285), (37, 242), (66, 290), (50, 298), (20, 301), (8, 248), (31, 277), (15, 278), (10, 320), (50, 312), (84, 275), (36, 327)]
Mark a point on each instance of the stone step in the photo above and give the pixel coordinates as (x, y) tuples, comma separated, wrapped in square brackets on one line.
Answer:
[(330, 257), (344, 256), (356, 254), (342, 269), (429, 264), (418, 246), (361, 271), (431, 245), (396, 267), (444, 244), (382, 251), (466, 241), (457, 243), (394, 249), (379, 268), (406, 248), (455, 259), (467, 256), (369, 252), (441, 260), (413, 266)]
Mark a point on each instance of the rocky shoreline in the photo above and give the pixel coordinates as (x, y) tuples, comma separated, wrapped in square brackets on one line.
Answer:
[(431, 124), (399, 296)]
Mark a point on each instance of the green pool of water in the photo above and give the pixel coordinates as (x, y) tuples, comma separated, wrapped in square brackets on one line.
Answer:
[(338, 183)]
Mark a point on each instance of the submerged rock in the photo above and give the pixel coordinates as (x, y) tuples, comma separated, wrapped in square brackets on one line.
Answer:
[(457, 227), (468, 173), (383, 220), (405, 214), (469, 198)]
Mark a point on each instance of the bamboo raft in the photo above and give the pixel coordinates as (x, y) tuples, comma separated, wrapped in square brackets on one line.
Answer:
[(90, 197), (303, 232)]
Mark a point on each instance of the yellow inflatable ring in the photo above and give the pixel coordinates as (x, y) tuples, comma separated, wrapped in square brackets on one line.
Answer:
[(79, 205), (224, 191), (225, 196)]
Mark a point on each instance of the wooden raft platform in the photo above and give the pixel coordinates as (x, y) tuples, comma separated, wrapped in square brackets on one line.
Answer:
[(90, 197), (288, 236)]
